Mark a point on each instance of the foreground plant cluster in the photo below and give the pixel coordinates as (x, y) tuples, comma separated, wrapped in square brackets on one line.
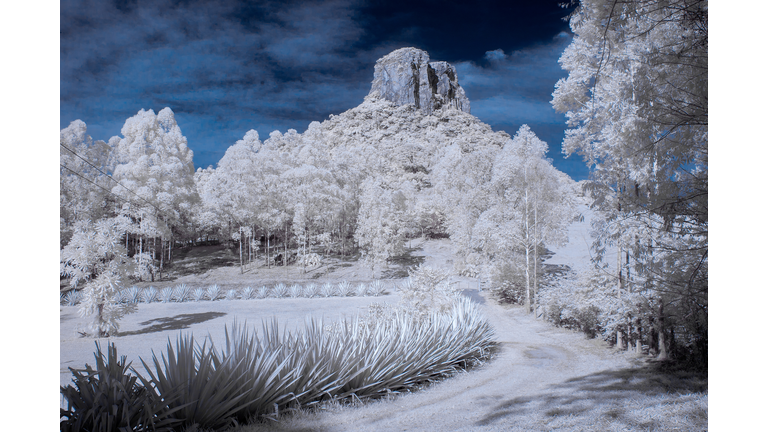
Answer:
[(258, 375), (182, 292)]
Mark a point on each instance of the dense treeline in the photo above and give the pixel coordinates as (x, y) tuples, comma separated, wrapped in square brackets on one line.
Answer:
[(636, 100)]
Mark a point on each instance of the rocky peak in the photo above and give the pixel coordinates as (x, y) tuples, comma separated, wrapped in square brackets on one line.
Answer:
[(406, 76)]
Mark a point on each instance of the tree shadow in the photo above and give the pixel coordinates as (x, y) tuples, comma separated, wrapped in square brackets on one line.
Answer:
[(403, 262), (612, 394), (173, 323)]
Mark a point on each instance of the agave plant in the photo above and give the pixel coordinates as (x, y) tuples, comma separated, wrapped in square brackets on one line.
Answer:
[(198, 294), (150, 294), (311, 290), (327, 290), (131, 295), (296, 291), (109, 398), (344, 289), (280, 290), (209, 393), (255, 376), (376, 288), (166, 295), (213, 292), (181, 292), (361, 290), (231, 294), (262, 292), (73, 297), (248, 293)]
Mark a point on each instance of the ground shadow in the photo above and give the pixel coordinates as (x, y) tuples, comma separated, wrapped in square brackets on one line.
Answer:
[(403, 262), (173, 323), (612, 394)]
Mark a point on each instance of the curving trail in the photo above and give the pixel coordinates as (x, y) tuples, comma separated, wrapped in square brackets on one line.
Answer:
[(535, 380)]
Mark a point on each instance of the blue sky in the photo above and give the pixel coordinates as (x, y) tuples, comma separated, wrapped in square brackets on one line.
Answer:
[(225, 67)]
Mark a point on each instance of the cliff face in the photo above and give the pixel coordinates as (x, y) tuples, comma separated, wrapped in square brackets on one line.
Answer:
[(406, 76)]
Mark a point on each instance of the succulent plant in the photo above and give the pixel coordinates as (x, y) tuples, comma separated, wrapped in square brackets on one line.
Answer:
[(73, 297), (344, 289), (311, 290), (296, 291), (181, 292), (131, 295), (376, 288), (198, 294), (213, 292), (248, 293), (231, 294), (150, 294), (361, 290), (262, 292), (327, 290), (280, 290), (166, 295), (109, 398)]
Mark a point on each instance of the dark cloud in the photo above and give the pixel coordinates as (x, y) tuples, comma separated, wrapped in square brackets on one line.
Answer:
[(229, 66)]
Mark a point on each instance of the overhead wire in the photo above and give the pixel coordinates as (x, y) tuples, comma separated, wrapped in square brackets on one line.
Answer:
[(110, 177)]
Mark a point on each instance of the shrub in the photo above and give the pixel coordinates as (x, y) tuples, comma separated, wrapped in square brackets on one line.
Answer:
[(208, 393), (376, 288), (280, 290), (327, 290), (150, 294), (166, 295), (181, 292), (296, 291), (427, 290), (73, 298), (344, 289), (358, 359), (198, 294), (213, 292), (311, 290), (108, 398), (131, 295)]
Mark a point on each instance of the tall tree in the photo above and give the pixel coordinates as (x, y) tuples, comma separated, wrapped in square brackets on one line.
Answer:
[(156, 174), (83, 185), (636, 101)]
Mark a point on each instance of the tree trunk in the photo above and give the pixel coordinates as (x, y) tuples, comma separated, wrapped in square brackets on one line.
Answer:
[(241, 250), (660, 330), (535, 258)]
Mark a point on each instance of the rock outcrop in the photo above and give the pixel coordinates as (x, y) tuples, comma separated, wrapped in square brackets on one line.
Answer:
[(406, 76)]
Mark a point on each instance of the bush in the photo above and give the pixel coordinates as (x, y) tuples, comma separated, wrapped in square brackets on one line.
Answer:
[(108, 398), (427, 290), (253, 377)]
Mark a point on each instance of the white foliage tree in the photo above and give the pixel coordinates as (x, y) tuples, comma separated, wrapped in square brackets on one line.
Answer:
[(156, 174), (636, 99), (82, 184), (95, 258)]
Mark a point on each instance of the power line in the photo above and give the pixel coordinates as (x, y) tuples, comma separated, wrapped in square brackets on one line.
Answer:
[(110, 177)]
